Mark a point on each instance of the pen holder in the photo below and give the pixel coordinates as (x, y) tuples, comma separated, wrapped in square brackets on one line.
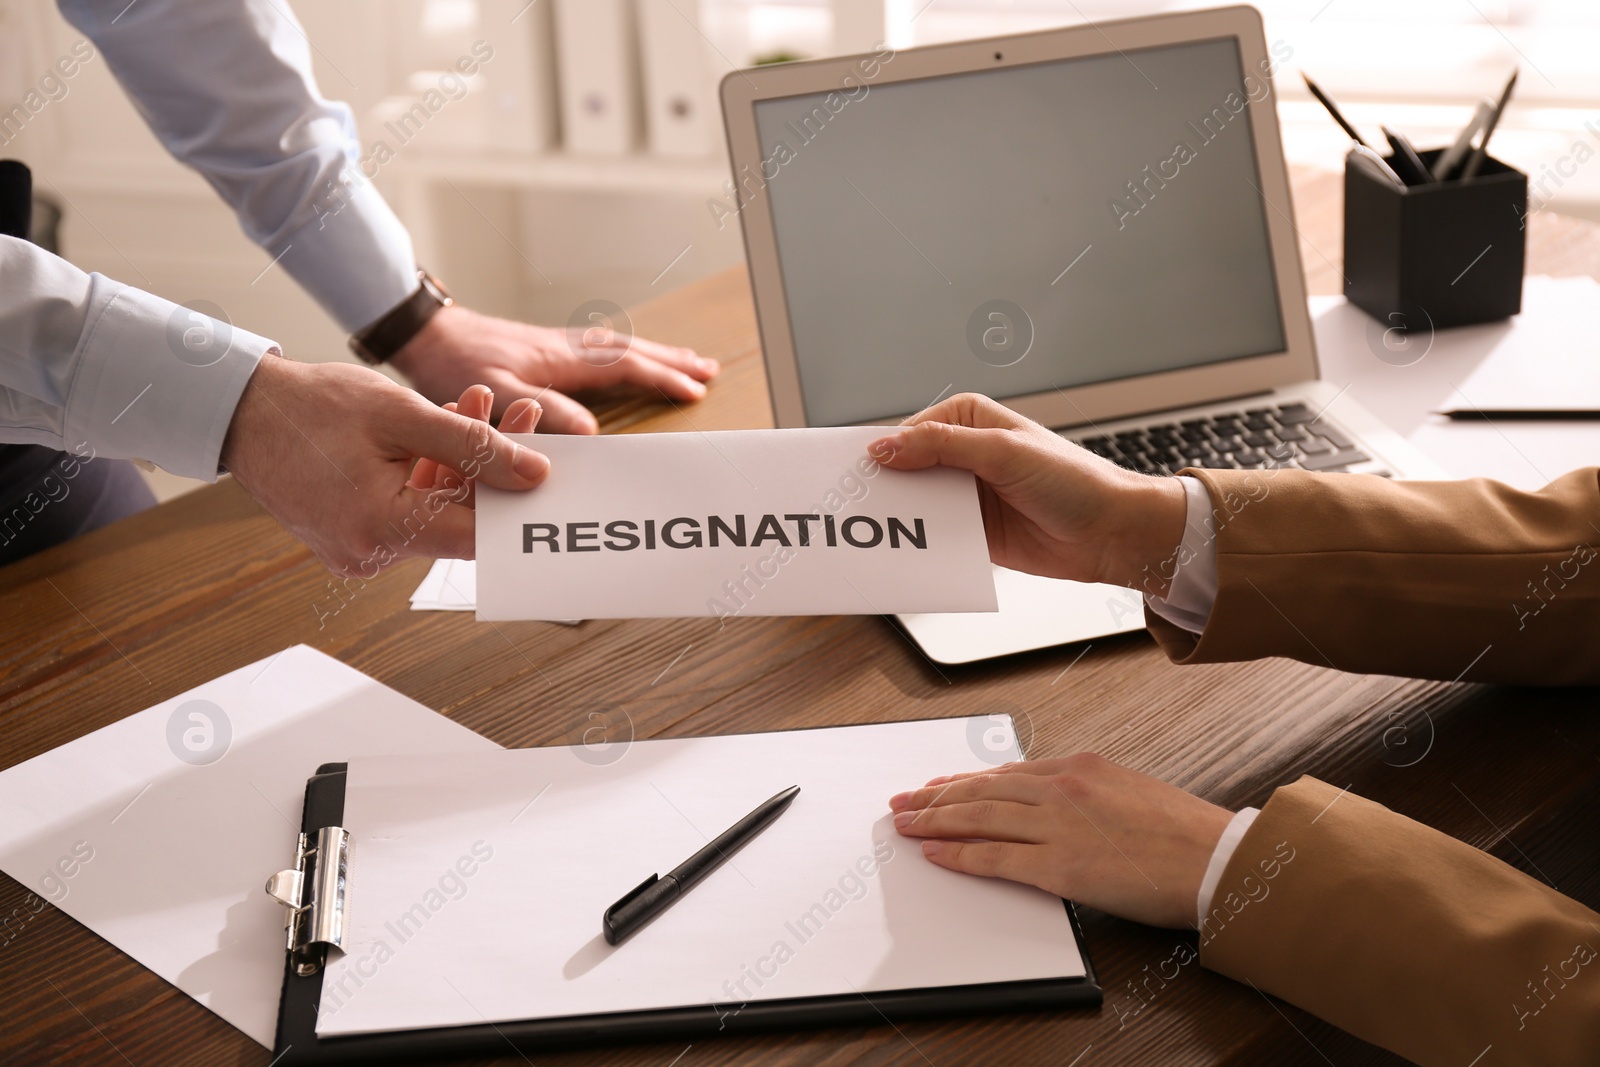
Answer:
[(1442, 254)]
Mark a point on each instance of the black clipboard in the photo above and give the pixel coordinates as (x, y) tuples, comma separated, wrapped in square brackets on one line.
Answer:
[(296, 1042)]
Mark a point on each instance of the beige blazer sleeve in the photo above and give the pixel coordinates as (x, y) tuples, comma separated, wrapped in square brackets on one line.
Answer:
[(1405, 936), (1400, 934), (1467, 580)]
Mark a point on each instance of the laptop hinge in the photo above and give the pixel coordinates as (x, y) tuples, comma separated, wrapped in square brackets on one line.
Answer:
[(1137, 415)]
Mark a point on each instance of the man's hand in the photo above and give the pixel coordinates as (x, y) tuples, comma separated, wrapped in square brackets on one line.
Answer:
[(458, 348), (1049, 506), (1080, 827), (522, 416), (340, 456)]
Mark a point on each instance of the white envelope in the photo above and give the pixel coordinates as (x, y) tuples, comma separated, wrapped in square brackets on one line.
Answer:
[(727, 523)]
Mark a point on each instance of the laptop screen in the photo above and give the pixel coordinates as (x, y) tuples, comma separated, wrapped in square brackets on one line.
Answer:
[(1021, 229)]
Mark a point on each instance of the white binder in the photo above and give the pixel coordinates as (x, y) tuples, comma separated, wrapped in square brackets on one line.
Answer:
[(522, 77), (599, 89), (681, 116), (861, 25)]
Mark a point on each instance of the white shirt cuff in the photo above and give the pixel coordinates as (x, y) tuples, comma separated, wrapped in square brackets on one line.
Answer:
[(354, 256), (1220, 856), (1194, 583), (158, 382)]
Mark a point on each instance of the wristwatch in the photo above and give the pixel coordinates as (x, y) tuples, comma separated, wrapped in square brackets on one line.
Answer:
[(389, 334)]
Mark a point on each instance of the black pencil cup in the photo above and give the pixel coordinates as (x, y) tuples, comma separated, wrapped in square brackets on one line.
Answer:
[(1443, 254)]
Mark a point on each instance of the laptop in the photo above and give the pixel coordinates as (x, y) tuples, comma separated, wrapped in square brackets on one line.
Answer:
[(1092, 225)]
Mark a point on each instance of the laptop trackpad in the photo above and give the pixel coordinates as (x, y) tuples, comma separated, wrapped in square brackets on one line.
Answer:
[(1034, 613)]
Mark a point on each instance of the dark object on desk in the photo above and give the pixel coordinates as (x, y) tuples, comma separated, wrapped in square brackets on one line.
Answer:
[(16, 198), (24, 214), (45, 229), (1431, 256), (296, 1042), (655, 895)]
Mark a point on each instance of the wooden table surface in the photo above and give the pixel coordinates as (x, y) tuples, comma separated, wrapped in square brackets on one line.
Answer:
[(141, 611)]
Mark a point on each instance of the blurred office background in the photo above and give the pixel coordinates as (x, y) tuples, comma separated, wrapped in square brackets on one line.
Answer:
[(578, 162)]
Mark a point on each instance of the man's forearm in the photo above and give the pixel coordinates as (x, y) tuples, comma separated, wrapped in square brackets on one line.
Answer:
[(94, 367), (227, 88)]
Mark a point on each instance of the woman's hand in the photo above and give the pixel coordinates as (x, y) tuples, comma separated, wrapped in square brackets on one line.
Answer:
[(1049, 506), (1082, 827)]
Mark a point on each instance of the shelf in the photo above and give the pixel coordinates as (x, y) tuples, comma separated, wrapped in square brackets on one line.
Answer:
[(554, 170)]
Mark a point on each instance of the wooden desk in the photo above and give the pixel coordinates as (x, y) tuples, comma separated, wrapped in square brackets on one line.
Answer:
[(136, 613)]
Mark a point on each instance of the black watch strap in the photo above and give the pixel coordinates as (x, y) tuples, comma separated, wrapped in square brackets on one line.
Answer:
[(388, 335)]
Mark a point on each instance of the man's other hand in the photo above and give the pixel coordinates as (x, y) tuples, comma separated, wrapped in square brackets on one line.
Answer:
[(459, 348)]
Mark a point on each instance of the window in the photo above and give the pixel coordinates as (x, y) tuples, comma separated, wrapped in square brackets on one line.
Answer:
[(1419, 66)]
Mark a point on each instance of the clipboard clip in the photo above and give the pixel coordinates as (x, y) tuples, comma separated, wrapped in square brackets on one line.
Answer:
[(313, 891)]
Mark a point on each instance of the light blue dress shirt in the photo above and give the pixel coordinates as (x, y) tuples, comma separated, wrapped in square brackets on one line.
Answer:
[(86, 362)]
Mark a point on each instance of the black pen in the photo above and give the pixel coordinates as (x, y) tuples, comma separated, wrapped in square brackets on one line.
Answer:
[(1333, 110), (1405, 160), (655, 895), (1523, 414), (1476, 159)]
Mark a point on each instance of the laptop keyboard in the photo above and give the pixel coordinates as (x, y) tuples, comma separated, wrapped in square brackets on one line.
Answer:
[(1285, 435)]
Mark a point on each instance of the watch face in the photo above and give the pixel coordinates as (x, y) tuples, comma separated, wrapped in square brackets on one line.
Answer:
[(435, 289)]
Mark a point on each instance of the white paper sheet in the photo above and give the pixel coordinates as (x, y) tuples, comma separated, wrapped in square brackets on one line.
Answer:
[(876, 541), (1547, 358), (449, 585), (477, 882), (1526, 454), (1548, 351), (178, 849), (452, 585), (426, 595)]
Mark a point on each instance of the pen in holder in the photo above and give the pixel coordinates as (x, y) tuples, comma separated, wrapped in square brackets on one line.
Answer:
[(1438, 254)]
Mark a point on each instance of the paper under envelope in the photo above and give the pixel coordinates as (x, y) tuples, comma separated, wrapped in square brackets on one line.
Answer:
[(726, 523)]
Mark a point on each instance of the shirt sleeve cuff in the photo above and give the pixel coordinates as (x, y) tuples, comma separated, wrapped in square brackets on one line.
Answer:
[(157, 381), (1194, 582), (354, 257), (1237, 827)]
